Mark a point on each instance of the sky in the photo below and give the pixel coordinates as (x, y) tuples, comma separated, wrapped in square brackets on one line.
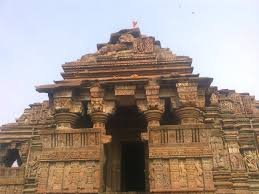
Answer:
[(37, 37)]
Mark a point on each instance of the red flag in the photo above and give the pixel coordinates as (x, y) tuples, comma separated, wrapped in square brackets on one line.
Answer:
[(134, 24)]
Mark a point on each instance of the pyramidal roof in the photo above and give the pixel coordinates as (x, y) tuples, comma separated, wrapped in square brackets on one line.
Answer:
[(127, 55)]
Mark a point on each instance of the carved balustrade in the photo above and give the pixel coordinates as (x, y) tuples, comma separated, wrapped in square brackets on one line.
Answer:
[(69, 161)]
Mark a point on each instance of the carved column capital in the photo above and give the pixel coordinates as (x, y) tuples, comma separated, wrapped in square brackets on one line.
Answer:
[(189, 115), (152, 106), (99, 110), (153, 117), (66, 111), (66, 119)]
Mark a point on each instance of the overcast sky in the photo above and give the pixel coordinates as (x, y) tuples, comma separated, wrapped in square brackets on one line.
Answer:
[(37, 37)]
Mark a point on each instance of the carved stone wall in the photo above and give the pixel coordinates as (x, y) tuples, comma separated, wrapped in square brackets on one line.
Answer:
[(211, 148)]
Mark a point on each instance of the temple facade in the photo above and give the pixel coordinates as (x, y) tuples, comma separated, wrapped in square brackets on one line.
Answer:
[(132, 117)]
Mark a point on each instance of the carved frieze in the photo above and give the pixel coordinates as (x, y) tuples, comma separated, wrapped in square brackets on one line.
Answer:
[(179, 151), (70, 155), (125, 90)]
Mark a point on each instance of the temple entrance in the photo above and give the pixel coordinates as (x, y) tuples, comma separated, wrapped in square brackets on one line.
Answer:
[(133, 167), (125, 155)]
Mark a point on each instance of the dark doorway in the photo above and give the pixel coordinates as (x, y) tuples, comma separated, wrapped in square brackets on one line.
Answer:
[(133, 166)]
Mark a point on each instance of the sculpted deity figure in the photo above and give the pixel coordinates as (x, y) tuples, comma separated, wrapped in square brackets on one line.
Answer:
[(182, 174), (198, 172), (214, 99), (182, 170)]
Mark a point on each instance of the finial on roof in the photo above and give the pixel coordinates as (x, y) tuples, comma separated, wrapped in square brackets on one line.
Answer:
[(134, 24)]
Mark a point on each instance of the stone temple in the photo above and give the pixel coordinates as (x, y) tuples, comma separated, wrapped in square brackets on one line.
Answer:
[(133, 118)]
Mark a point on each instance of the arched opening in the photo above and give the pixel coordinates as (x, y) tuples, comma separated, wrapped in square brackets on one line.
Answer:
[(125, 155)]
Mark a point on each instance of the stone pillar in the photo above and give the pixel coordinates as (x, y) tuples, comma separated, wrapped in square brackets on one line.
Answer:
[(66, 111), (99, 111), (154, 106)]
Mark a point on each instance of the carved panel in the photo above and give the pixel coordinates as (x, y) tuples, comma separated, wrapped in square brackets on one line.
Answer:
[(143, 45), (182, 174), (187, 92), (55, 176), (220, 154), (226, 105), (43, 177), (236, 160), (62, 103), (251, 160), (159, 175), (125, 90), (69, 177), (207, 165)]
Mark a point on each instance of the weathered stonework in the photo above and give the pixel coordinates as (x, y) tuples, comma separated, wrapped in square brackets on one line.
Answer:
[(133, 98)]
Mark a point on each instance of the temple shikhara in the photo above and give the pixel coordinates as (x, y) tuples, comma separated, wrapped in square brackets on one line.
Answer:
[(132, 117)]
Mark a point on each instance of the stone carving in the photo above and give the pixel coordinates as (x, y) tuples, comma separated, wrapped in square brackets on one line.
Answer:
[(214, 99), (182, 175), (198, 174), (236, 159), (219, 153), (247, 103), (226, 105), (62, 104), (33, 166), (159, 175), (144, 45), (173, 151), (187, 93), (96, 105), (89, 177), (72, 176), (152, 96), (60, 155), (251, 159), (125, 90)]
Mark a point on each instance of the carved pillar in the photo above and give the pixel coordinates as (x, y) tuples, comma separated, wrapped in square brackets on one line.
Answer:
[(66, 111), (154, 105), (153, 108), (99, 111), (187, 110)]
